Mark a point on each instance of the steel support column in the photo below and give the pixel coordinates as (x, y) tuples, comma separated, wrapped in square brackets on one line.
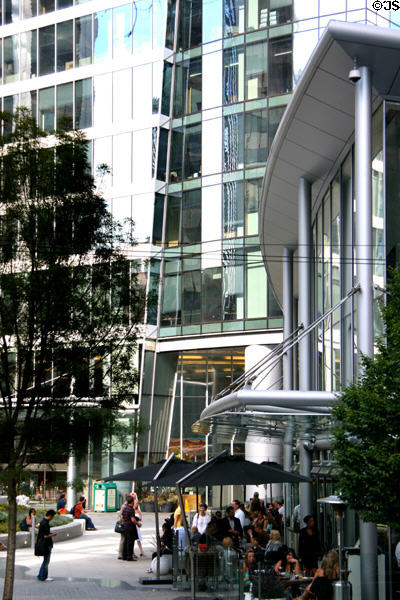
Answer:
[(305, 379), (365, 340), (288, 316)]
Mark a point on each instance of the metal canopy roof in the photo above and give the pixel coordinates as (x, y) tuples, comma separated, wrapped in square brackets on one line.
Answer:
[(318, 126)]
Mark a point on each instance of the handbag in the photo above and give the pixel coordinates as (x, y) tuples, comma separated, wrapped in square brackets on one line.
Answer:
[(40, 546), (119, 527)]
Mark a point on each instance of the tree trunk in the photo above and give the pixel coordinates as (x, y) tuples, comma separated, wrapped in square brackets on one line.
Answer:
[(12, 529)]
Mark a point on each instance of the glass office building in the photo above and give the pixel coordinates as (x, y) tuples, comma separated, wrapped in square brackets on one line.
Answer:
[(182, 100)]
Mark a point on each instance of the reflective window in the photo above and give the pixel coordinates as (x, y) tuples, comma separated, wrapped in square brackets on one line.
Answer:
[(11, 11), (173, 224), (212, 20), (64, 4), (256, 70), (233, 142), (280, 65), (176, 154), (29, 9), (192, 151), (83, 41), (188, 86), (212, 295), (10, 104), (162, 155), (252, 200), (233, 213), (305, 10), (11, 65), (191, 217), (122, 93), (29, 99), (46, 6), (46, 109), (191, 23), (46, 50), (233, 17), (122, 159), (102, 99), (233, 285), (159, 9), (83, 103), (280, 12), (28, 41), (191, 295), (274, 118), (158, 219), (257, 14), (233, 74), (171, 301), (64, 112), (256, 137), (122, 30), (256, 285), (142, 24), (102, 35), (65, 56), (102, 155)]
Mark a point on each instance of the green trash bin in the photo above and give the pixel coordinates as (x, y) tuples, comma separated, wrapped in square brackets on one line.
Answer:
[(105, 497)]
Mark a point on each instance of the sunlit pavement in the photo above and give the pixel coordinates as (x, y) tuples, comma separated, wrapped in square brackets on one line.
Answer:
[(88, 567)]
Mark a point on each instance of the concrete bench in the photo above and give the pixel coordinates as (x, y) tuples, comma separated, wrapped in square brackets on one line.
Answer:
[(64, 532)]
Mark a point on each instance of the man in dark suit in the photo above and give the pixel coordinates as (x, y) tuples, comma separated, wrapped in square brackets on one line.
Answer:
[(231, 527)]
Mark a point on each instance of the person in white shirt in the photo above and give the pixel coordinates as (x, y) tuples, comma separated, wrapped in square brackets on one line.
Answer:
[(239, 514), (201, 520)]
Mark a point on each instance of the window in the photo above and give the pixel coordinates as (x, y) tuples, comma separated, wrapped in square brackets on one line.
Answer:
[(10, 104), (142, 24), (83, 41), (29, 9), (256, 285), (171, 301), (280, 12), (11, 65), (28, 42), (233, 74), (83, 103), (257, 14), (192, 151), (122, 30), (102, 35), (256, 137), (65, 57), (191, 23), (46, 50), (191, 294), (173, 224), (188, 87), (46, 109), (212, 295), (11, 11), (256, 70), (64, 113), (233, 142), (280, 65), (233, 295), (64, 4), (46, 6), (274, 118), (233, 218), (252, 200), (191, 217), (233, 17)]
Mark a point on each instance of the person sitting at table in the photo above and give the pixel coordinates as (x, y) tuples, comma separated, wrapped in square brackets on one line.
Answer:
[(258, 538), (231, 526), (288, 563), (273, 549), (321, 586), (249, 565)]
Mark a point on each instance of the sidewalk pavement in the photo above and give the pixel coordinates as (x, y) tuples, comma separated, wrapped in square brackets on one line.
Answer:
[(88, 567)]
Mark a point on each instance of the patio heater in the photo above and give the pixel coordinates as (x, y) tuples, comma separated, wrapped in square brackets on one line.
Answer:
[(342, 588)]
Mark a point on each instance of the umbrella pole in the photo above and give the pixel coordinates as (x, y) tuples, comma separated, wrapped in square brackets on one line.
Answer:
[(188, 544), (220, 497), (158, 541), (197, 499)]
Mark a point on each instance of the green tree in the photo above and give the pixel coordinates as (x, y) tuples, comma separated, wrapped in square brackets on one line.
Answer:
[(367, 430), (70, 305)]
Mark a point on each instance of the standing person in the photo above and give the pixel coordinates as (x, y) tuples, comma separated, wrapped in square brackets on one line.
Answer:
[(231, 527), (46, 535), (138, 515), (61, 502), (256, 504), (239, 514), (309, 545), (80, 513), (201, 521), (179, 528), (129, 520), (27, 521), (122, 535)]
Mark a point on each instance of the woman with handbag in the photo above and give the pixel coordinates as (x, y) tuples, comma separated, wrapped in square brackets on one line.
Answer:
[(129, 520), (44, 544), (138, 515)]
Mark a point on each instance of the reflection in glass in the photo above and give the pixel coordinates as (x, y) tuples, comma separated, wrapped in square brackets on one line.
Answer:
[(233, 17), (29, 99), (326, 7), (46, 50), (122, 93), (46, 6), (102, 155), (83, 41), (192, 151), (102, 35), (233, 284), (191, 293), (188, 82), (191, 217), (122, 34), (274, 118), (11, 64), (64, 4), (191, 23), (233, 74), (83, 103), (280, 65), (233, 142), (303, 45), (10, 104), (102, 99), (166, 88), (28, 54), (212, 295), (158, 219), (46, 109), (173, 224), (233, 213), (171, 301), (122, 159), (212, 20), (256, 285), (142, 24), (11, 11), (256, 70), (256, 137), (280, 12), (29, 9), (64, 106), (176, 155), (65, 57), (252, 200), (305, 10), (257, 14)]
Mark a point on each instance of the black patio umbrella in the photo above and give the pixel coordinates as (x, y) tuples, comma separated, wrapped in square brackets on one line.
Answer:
[(235, 470), (148, 472)]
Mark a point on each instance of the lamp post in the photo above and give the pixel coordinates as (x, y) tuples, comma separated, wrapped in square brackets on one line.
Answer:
[(339, 508)]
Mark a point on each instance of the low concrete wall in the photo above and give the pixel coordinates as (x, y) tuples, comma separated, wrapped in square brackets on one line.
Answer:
[(3, 500), (64, 532)]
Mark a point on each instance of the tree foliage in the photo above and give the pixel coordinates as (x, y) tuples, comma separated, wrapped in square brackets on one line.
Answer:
[(70, 304), (367, 432)]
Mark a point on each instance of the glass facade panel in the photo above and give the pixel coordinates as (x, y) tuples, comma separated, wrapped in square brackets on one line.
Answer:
[(29, 9), (46, 50), (10, 104), (256, 70), (212, 295), (256, 137), (83, 41), (233, 142), (64, 113), (233, 285), (65, 55), (28, 45), (280, 66), (46, 109), (46, 6), (11, 11), (191, 295), (191, 217), (171, 301), (102, 35), (191, 23), (83, 103), (122, 94), (257, 14), (212, 20), (233, 74), (252, 199), (122, 159), (122, 30), (102, 100), (233, 17), (11, 62), (233, 217), (173, 224), (280, 12), (392, 126), (192, 151), (256, 285)]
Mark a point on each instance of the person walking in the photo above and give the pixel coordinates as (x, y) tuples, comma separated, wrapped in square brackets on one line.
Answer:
[(45, 539), (129, 520)]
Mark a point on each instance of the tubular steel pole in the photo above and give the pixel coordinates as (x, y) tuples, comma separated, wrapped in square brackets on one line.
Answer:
[(365, 341)]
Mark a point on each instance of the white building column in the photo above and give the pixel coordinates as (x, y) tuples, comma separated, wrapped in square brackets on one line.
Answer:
[(71, 475), (365, 323), (261, 447)]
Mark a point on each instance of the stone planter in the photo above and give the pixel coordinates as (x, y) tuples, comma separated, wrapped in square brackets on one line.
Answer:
[(168, 507), (147, 506)]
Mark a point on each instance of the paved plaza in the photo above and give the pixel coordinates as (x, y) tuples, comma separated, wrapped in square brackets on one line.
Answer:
[(88, 567)]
